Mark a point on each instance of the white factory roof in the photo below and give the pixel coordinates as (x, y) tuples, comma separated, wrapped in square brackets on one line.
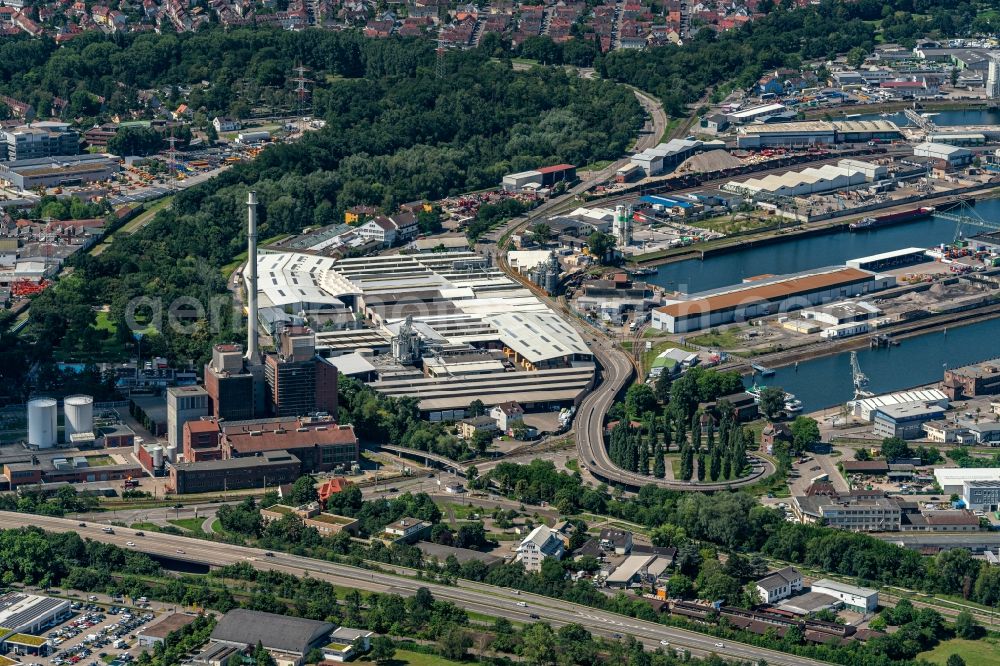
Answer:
[(21, 611), (625, 571), (757, 111), (599, 214), (844, 588), (953, 476), (293, 278), (891, 254), (902, 398), (538, 336), (930, 149), (865, 126), (352, 364)]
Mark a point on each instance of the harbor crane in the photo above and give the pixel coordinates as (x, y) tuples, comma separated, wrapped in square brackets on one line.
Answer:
[(963, 214), (859, 378)]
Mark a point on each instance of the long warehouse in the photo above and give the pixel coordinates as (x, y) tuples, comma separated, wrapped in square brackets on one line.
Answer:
[(765, 297)]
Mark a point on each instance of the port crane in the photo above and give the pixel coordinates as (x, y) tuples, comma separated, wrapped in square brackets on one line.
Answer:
[(963, 214), (859, 378)]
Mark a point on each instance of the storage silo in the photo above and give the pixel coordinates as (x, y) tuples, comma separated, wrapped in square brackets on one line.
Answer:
[(42, 427), (157, 452), (79, 413)]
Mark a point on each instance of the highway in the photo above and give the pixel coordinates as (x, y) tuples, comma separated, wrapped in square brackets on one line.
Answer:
[(481, 598)]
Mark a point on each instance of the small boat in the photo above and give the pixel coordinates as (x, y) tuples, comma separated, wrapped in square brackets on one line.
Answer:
[(644, 271), (792, 405)]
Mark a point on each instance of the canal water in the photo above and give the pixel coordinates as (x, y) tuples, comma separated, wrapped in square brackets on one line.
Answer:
[(827, 382), (793, 256), (940, 118)]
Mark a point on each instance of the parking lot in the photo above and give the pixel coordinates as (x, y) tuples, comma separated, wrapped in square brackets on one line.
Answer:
[(94, 636)]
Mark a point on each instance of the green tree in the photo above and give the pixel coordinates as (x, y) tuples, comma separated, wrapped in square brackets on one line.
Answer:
[(955, 660), (600, 244), (541, 232), (772, 401), (383, 650), (894, 448), (856, 56), (805, 431), (661, 389), (966, 626), (476, 408), (454, 643), (639, 400), (304, 491)]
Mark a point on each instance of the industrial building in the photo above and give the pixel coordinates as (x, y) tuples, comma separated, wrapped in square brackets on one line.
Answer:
[(815, 132), (30, 174), (905, 420), (269, 469), (952, 479), (981, 495), (892, 259), (31, 613), (230, 385), (298, 381), (37, 140), (973, 380), (811, 180), (945, 154), (184, 403), (753, 113), (856, 512), (287, 639), (865, 408), (664, 156), (539, 178), (319, 443), (844, 312), (858, 599), (432, 314), (764, 297)]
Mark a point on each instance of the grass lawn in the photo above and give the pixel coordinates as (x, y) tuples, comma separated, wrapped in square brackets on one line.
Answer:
[(407, 658), (982, 651), (100, 461), (675, 464), (190, 524), (729, 224), (725, 338), (573, 465), (150, 527), (103, 322), (143, 218)]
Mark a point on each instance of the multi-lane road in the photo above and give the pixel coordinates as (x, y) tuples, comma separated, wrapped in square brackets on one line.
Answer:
[(478, 597)]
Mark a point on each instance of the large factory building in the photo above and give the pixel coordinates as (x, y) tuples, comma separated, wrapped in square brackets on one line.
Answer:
[(764, 297)]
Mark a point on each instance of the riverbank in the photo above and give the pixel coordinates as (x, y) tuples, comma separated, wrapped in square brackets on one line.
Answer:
[(769, 236)]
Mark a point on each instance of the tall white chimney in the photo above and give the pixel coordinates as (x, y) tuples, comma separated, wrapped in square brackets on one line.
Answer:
[(251, 278)]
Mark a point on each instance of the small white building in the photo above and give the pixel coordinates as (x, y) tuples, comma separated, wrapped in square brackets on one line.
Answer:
[(507, 415), (953, 155), (858, 599), (342, 641), (225, 124), (541, 543), (779, 585), (845, 330)]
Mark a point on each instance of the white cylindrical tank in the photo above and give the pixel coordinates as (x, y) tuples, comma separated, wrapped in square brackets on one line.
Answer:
[(79, 413), (172, 453), (42, 426), (157, 452)]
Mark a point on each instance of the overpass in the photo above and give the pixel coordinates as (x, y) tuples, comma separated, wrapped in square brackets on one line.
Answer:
[(478, 597), (428, 458)]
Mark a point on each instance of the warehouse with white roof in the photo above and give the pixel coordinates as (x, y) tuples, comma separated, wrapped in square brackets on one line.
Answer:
[(865, 408)]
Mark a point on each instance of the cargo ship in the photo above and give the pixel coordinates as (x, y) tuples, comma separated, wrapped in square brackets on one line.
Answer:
[(866, 223)]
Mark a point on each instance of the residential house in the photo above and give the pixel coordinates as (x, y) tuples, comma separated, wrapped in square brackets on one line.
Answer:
[(225, 124), (779, 585), (540, 544), (508, 415), (616, 540), (406, 530), (467, 428)]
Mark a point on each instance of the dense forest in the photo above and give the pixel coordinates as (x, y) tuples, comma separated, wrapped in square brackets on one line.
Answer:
[(396, 131)]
